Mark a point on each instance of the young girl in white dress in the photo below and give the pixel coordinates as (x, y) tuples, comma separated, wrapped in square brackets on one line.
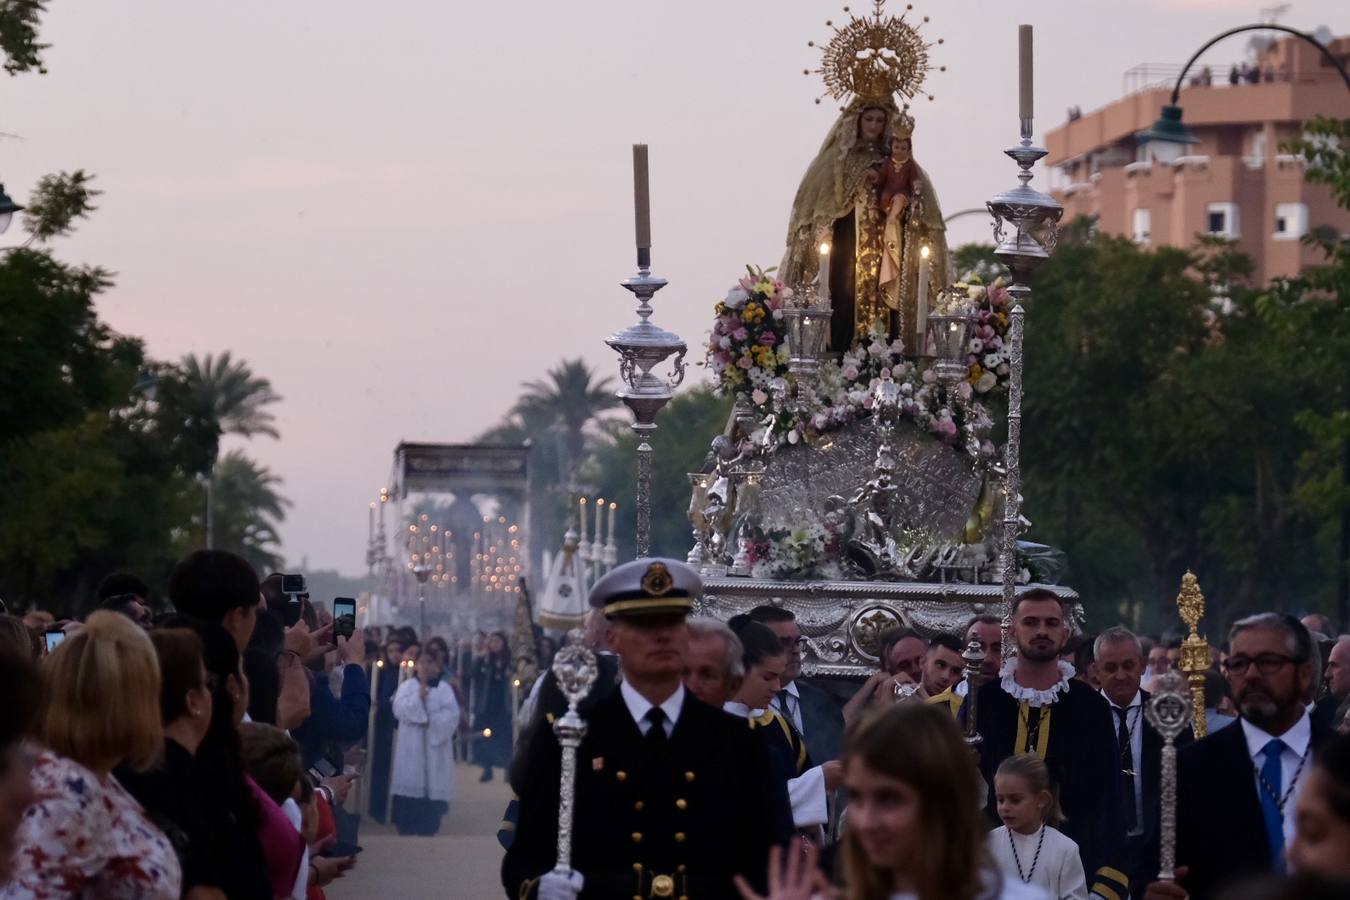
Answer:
[(1027, 846)]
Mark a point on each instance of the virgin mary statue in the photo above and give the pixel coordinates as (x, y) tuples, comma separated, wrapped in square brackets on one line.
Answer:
[(836, 205)]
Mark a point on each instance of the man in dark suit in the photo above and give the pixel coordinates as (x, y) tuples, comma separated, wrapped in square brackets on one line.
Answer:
[(673, 797), (807, 708), (1237, 788), (1120, 665)]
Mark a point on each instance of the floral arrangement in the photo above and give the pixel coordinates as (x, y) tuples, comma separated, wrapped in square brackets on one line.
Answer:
[(745, 349), (813, 549), (749, 361)]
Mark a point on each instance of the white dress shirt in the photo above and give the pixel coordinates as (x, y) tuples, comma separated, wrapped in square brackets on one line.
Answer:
[(794, 713), (1296, 741), (1134, 722), (639, 706)]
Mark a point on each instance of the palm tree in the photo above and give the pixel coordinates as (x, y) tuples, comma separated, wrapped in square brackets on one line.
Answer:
[(222, 396), (249, 508), (566, 402)]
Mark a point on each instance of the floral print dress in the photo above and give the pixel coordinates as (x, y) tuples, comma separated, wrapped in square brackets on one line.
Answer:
[(88, 838)]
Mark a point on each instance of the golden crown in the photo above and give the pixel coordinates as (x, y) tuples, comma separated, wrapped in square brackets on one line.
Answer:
[(875, 57), (903, 126)]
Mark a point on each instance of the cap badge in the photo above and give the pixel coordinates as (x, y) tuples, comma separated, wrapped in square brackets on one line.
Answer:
[(657, 581)]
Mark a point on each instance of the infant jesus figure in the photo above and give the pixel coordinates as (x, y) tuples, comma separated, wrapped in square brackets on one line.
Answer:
[(896, 181)]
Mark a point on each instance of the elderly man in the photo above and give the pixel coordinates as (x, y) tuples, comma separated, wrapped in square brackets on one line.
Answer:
[(671, 794), (1237, 789), (902, 653), (1120, 666), (1336, 676), (713, 667)]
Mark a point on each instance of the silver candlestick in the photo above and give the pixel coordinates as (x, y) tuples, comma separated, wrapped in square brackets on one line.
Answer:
[(1026, 228), (641, 347), (576, 669), (1169, 711)]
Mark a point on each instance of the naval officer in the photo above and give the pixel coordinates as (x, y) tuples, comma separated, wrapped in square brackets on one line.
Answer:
[(673, 796)]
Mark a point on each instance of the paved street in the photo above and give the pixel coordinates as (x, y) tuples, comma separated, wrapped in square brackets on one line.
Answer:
[(460, 863)]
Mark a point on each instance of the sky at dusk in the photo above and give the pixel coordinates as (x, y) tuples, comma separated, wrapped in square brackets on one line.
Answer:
[(398, 212)]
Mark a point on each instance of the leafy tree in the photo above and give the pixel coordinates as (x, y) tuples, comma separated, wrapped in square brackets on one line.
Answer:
[(249, 509), (685, 427), (19, 20), (567, 401)]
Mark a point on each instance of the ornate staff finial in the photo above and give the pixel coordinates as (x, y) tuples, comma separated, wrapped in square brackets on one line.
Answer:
[(576, 669), (875, 57), (1196, 658), (1167, 711)]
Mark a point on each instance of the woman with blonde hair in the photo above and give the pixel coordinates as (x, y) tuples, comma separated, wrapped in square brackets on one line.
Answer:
[(85, 836), (915, 825)]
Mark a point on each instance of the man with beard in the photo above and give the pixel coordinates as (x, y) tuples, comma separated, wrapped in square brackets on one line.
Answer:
[(1237, 789), (1037, 706)]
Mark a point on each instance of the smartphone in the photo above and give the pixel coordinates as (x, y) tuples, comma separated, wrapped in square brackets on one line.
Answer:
[(293, 584), (54, 637), (344, 616), (322, 769)]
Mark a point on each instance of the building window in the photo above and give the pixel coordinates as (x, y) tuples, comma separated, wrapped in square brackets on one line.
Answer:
[(1291, 221), (1143, 226), (1221, 219)]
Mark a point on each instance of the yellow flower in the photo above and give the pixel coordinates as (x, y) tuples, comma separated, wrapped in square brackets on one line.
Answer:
[(975, 372)]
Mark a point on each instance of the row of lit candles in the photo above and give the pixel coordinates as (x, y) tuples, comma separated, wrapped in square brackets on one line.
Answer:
[(599, 512)]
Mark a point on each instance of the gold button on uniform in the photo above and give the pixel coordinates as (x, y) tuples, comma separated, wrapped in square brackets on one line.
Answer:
[(681, 803), (688, 776), (663, 886), (637, 807), (621, 775), (637, 837), (679, 837)]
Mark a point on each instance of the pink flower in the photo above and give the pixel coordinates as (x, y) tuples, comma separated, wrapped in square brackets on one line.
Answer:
[(850, 373), (745, 362), (739, 334), (747, 284), (768, 338)]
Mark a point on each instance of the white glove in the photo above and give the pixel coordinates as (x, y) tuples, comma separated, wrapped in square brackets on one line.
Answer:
[(561, 886)]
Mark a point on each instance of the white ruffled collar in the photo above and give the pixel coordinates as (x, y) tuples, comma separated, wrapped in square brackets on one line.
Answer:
[(1032, 696)]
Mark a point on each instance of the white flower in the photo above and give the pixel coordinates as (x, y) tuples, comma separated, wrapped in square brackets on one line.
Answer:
[(877, 348), (986, 382), (820, 420), (929, 376), (725, 343), (758, 397), (792, 436), (787, 293), (851, 372), (975, 292), (992, 360), (976, 346), (736, 297), (777, 314), (906, 389), (856, 397)]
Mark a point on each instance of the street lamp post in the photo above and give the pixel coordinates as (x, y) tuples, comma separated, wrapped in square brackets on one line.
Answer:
[(7, 210), (1169, 137)]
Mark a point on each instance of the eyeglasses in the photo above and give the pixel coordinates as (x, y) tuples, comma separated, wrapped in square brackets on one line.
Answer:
[(789, 643), (1266, 663)]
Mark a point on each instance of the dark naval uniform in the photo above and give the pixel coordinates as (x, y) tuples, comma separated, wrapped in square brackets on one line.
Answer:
[(1076, 739), (671, 800)]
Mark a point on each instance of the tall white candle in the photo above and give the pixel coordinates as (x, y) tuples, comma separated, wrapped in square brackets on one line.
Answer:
[(823, 276), (370, 521), (1024, 71), (599, 523), (581, 521), (921, 306), (612, 508)]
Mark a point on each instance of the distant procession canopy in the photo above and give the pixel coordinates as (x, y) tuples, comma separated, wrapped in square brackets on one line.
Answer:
[(460, 468)]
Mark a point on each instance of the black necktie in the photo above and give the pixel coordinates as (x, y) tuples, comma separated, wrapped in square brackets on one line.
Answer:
[(656, 733), (1126, 766)]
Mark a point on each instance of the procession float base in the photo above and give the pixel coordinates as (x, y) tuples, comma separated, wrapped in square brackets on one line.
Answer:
[(843, 621)]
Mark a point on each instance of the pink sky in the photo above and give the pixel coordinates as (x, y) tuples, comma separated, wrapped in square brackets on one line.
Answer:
[(398, 212)]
